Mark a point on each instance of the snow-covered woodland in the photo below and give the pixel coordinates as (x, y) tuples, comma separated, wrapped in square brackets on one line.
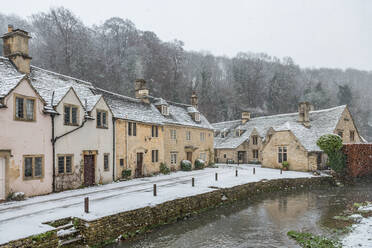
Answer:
[(113, 54)]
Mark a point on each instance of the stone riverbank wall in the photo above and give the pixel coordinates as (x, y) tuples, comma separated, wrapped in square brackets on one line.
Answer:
[(131, 223)]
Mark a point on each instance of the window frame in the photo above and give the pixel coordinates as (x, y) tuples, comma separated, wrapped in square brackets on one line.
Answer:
[(282, 150), (340, 133), (255, 153), (197, 117), (203, 156), (254, 140), (106, 155), (165, 110), (352, 135), (154, 156), (64, 162), (173, 158), (202, 136), (132, 128), (25, 98), (188, 135), (100, 112), (154, 131), (71, 106), (173, 134), (33, 157)]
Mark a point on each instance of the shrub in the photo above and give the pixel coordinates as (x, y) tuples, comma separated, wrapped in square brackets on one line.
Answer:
[(186, 165), (16, 196), (126, 173), (164, 169), (331, 144), (285, 165), (199, 164)]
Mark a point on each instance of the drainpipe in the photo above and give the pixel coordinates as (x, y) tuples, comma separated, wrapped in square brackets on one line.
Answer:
[(126, 143), (113, 149), (54, 155)]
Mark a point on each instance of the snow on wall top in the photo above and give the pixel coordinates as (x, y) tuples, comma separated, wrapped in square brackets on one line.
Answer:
[(321, 121)]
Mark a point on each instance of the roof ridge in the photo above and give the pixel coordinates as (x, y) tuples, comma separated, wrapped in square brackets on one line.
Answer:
[(222, 122), (69, 77), (119, 95)]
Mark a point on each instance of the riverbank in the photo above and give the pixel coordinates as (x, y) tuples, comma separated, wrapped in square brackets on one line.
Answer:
[(116, 213)]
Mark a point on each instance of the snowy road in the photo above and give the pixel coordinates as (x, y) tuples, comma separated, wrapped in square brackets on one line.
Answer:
[(25, 218)]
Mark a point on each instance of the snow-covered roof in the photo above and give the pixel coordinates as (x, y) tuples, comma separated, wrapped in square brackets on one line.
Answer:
[(123, 107), (321, 121), (191, 110), (133, 109), (8, 84)]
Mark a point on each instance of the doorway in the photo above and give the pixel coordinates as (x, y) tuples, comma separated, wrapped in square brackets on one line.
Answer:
[(89, 170), (2, 178), (189, 156), (139, 164)]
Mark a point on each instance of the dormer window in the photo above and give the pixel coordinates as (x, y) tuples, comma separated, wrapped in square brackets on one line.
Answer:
[(223, 134), (197, 117), (237, 133), (24, 108), (164, 110), (71, 115)]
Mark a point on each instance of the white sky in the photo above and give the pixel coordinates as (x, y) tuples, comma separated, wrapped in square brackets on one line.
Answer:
[(315, 33)]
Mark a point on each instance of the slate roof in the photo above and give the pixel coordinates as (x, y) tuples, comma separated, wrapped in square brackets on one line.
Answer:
[(321, 121), (123, 107)]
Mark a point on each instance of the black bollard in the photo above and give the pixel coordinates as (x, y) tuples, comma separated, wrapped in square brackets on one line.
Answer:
[(254, 171), (236, 172), (193, 182), (216, 176), (281, 171), (154, 189)]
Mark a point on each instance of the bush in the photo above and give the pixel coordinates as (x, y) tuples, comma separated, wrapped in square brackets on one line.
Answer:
[(285, 165), (126, 173), (186, 165), (164, 169), (199, 164), (331, 144), (16, 196)]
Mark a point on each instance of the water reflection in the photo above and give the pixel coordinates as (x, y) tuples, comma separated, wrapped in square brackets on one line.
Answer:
[(263, 222)]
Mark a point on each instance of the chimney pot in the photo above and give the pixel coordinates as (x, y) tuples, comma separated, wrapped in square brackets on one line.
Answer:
[(141, 90), (304, 109), (10, 28), (246, 116), (194, 100)]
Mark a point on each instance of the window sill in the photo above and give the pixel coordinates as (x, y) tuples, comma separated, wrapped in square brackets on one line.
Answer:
[(102, 127), (24, 120), (73, 125), (32, 178)]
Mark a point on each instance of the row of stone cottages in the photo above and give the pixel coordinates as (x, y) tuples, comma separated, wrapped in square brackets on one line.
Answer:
[(58, 132), (272, 140)]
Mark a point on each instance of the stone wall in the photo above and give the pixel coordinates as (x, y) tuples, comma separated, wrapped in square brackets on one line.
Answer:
[(345, 125), (131, 223), (358, 159)]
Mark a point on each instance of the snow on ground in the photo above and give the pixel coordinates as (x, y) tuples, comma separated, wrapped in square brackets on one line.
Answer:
[(26, 218), (361, 234)]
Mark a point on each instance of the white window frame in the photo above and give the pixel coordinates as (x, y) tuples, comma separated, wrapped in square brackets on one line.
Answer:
[(173, 134), (173, 157), (188, 135), (202, 136)]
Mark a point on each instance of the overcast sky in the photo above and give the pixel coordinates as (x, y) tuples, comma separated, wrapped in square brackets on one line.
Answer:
[(315, 33)]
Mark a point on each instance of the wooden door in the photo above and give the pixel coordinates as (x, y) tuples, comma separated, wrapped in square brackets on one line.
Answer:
[(139, 164), (89, 170), (189, 156), (2, 178)]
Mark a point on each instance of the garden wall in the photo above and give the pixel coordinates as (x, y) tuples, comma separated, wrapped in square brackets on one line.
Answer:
[(358, 159)]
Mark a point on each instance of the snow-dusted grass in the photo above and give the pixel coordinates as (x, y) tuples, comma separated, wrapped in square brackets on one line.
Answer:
[(25, 218), (361, 234)]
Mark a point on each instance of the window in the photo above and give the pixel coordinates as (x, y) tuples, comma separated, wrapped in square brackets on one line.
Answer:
[(202, 136), (352, 135), (164, 110), (102, 119), (121, 162), (197, 117), (155, 156), (33, 166), (223, 134), (254, 140), (282, 154), (64, 164), (237, 133), (255, 154), (71, 115), (132, 129), (224, 156), (173, 134), (340, 133), (24, 109), (203, 156), (173, 158), (106, 162), (188, 135), (155, 131)]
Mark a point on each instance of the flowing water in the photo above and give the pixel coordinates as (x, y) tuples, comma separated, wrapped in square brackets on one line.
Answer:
[(262, 222)]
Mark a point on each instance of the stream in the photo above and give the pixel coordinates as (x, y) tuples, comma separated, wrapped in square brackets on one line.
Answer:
[(262, 222)]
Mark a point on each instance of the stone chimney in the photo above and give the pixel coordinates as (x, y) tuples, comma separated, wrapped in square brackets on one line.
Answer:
[(142, 92), (304, 109), (246, 116), (194, 100), (15, 48)]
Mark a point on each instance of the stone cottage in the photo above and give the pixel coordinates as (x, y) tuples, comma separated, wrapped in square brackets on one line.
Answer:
[(285, 137), (150, 131)]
